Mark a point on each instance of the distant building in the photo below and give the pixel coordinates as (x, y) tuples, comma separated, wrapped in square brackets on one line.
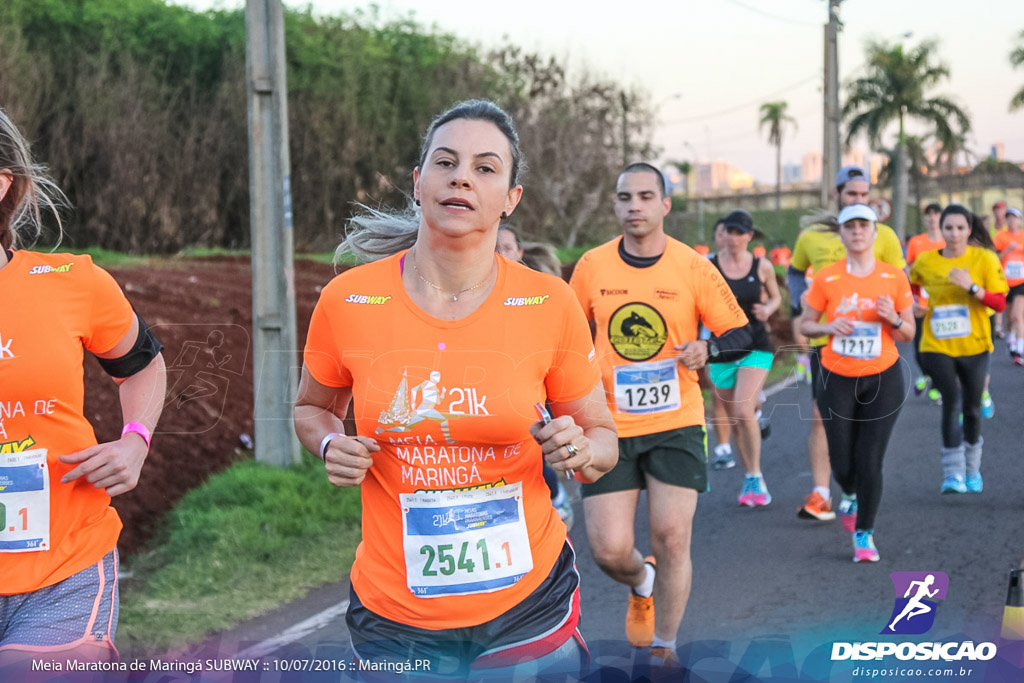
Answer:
[(855, 157), (998, 152), (810, 167), (792, 173), (719, 175)]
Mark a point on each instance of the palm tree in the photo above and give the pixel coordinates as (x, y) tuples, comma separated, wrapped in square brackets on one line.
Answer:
[(773, 115), (1017, 59), (893, 91), (951, 149), (919, 167)]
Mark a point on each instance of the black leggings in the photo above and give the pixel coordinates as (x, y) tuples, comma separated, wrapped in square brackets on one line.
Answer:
[(858, 414), (970, 371), (918, 330)]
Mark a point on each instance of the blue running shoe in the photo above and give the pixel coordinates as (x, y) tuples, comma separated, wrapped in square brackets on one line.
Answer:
[(988, 408), (954, 484), (864, 549), (754, 493), (974, 483), (723, 457)]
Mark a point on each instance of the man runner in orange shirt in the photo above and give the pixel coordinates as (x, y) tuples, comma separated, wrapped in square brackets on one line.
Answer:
[(647, 293)]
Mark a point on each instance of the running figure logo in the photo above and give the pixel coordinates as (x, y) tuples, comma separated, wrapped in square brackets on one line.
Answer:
[(402, 417), (917, 595)]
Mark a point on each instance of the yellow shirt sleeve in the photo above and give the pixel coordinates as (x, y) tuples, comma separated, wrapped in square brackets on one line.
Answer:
[(888, 249), (801, 259)]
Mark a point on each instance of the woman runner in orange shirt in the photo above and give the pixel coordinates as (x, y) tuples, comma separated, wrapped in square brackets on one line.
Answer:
[(445, 348), (868, 306), (58, 532)]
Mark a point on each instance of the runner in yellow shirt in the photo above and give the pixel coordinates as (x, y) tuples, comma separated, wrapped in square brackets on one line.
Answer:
[(962, 282)]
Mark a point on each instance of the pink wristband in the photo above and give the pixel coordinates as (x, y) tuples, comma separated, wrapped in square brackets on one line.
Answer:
[(140, 429)]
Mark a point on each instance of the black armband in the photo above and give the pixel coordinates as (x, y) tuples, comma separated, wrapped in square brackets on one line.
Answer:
[(142, 353), (734, 344)]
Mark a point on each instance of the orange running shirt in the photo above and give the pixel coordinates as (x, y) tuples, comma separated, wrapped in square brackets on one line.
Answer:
[(1013, 262), (641, 315), (870, 349), (919, 244), (58, 304), (457, 521)]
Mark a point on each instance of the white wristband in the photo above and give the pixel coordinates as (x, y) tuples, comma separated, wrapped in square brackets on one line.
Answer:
[(327, 442)]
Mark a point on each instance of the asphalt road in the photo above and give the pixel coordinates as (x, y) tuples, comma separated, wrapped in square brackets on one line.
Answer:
[(772, 592)]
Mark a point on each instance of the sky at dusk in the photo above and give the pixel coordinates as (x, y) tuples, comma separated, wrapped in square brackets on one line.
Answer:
[(709, 64)]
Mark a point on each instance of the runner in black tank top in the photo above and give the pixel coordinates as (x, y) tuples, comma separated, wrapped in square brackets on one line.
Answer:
[(738, 384)]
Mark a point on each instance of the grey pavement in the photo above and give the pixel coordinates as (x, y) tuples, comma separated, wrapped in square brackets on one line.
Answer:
[(773, 591)]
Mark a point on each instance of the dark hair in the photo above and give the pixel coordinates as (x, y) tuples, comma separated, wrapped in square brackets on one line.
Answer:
[(933, 207), (480, 110), (31, 191), (644, 167), (979, 234), (513, 232)]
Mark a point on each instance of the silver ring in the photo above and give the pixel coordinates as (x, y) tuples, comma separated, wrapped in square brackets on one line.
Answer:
[(571, 450)]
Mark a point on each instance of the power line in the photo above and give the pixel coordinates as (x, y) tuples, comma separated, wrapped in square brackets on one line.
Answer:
[(776, 17), (710, 115)]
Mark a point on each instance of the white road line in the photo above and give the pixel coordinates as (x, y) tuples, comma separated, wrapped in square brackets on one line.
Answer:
[(296, 632), (779, 386)]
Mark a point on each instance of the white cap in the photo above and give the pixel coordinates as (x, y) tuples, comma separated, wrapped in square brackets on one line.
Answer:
[(857, 211), (1013, 212)]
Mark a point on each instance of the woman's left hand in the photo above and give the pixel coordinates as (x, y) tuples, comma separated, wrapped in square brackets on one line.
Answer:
[(114, 466), (554, 438), (761, 312), (886, 309)]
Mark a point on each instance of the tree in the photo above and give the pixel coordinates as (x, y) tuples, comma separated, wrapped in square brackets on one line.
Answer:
[(894, 91), (1017, 59), (773, 115), (919, 167)]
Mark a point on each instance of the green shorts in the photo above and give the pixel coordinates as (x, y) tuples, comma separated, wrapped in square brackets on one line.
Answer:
[(723, 375), (678, 457)]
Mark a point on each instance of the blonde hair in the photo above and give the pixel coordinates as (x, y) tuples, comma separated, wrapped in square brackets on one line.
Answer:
[(31, 192)]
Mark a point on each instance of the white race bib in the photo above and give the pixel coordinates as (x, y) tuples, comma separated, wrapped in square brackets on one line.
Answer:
[(647, 387), (465, 542), (865, 342), (24, 502), (951, 322), (1014, 270)]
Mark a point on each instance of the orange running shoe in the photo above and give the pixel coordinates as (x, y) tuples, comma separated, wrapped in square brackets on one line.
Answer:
[(640, 617), (816, 507)]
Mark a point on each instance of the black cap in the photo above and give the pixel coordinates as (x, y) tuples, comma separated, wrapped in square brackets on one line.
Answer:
[(741, 220)]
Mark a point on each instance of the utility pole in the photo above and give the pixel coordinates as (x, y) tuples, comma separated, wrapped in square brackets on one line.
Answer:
[(625, 127), (831, 150), (275, 346)]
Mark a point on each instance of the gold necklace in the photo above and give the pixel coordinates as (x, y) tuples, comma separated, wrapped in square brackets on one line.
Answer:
[(455, 296)]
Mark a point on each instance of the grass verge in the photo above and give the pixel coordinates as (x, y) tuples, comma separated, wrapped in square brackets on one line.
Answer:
[(248, 540)]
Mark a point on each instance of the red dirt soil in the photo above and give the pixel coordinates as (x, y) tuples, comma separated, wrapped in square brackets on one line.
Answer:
[(201, 309)]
